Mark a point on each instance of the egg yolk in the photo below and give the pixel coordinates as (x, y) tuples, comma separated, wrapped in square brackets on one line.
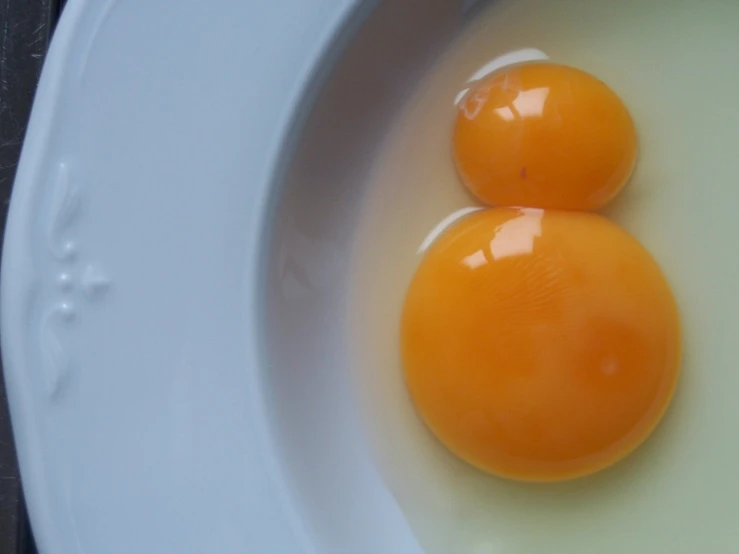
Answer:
[(546, 136), (539, 345)]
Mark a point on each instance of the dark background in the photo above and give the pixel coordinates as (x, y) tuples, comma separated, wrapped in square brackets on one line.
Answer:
[(25, 30)]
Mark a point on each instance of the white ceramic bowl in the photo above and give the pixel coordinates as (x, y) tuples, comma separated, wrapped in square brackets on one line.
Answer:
[(175, 268)]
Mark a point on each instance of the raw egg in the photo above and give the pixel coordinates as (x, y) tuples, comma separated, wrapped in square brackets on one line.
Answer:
[(544, 135), (539, 345)]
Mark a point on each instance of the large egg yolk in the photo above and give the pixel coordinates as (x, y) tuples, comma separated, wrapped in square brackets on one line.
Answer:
[(539, 345), (544, 135)]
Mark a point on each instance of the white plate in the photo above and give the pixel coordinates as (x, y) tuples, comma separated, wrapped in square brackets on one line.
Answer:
[(175, 382)]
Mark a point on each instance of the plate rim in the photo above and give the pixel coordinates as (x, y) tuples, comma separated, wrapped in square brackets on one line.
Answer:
[(17, 279)]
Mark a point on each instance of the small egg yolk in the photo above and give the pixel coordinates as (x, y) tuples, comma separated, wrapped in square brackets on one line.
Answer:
[(539, 345), (546, 136)]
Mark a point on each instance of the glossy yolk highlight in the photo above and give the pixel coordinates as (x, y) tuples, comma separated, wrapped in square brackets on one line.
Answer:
[(538, 345), (544, 135)]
